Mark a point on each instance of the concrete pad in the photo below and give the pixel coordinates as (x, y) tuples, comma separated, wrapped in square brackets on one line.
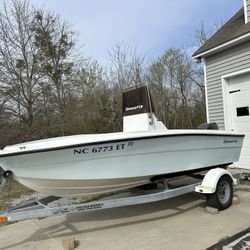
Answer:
[(178, 223)]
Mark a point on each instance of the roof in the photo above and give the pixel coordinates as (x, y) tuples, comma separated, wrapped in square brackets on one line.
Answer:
[(232, 29)]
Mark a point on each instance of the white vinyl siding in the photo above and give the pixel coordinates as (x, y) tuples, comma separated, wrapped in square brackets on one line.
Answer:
[(248, 10), (229, 61)]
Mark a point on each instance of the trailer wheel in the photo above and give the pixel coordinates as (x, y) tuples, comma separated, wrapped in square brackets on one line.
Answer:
[(222, 197)]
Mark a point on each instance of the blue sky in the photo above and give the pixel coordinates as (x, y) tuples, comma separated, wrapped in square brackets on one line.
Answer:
[(149, 25)]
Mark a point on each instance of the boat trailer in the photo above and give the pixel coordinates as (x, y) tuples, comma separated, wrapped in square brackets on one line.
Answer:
[(40, 209)]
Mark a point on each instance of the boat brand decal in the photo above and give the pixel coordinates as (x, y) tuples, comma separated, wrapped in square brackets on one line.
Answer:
[(230, 141), (103, 149), (134, 108)]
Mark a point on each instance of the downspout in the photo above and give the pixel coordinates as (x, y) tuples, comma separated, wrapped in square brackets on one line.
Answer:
[(205, 83)]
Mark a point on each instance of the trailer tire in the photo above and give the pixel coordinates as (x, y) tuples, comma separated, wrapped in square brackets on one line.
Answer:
[(222, 197)]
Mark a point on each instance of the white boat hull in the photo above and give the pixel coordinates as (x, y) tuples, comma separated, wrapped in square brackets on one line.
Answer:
[(107, 166)]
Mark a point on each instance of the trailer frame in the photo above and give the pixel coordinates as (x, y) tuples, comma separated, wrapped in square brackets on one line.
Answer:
[(39, 209)]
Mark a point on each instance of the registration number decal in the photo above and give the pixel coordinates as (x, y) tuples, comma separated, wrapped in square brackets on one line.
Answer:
[(103, 148)]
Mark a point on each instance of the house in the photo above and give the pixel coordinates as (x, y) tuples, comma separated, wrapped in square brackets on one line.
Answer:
[(226, 57)]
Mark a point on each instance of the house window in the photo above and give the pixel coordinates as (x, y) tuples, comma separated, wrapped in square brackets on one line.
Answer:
[(242, 111)]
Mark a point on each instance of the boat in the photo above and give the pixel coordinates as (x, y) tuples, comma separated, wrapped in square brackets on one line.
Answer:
[(146, 151)]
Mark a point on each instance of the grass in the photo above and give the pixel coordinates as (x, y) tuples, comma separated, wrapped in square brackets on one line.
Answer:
[(12, 190)]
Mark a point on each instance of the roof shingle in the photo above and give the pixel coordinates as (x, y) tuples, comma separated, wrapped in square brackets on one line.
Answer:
[(232, 29)]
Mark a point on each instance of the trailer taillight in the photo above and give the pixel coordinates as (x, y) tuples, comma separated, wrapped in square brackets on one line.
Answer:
[(3, 218)]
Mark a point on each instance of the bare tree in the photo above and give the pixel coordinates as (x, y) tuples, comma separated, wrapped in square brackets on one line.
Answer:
[(57, 55), (126, 69), (94, 98), (126, 66), (19, 67), (170, 78), (203, 32)]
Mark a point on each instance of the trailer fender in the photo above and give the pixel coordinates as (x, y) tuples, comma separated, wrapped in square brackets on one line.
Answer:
[(209, 182)]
